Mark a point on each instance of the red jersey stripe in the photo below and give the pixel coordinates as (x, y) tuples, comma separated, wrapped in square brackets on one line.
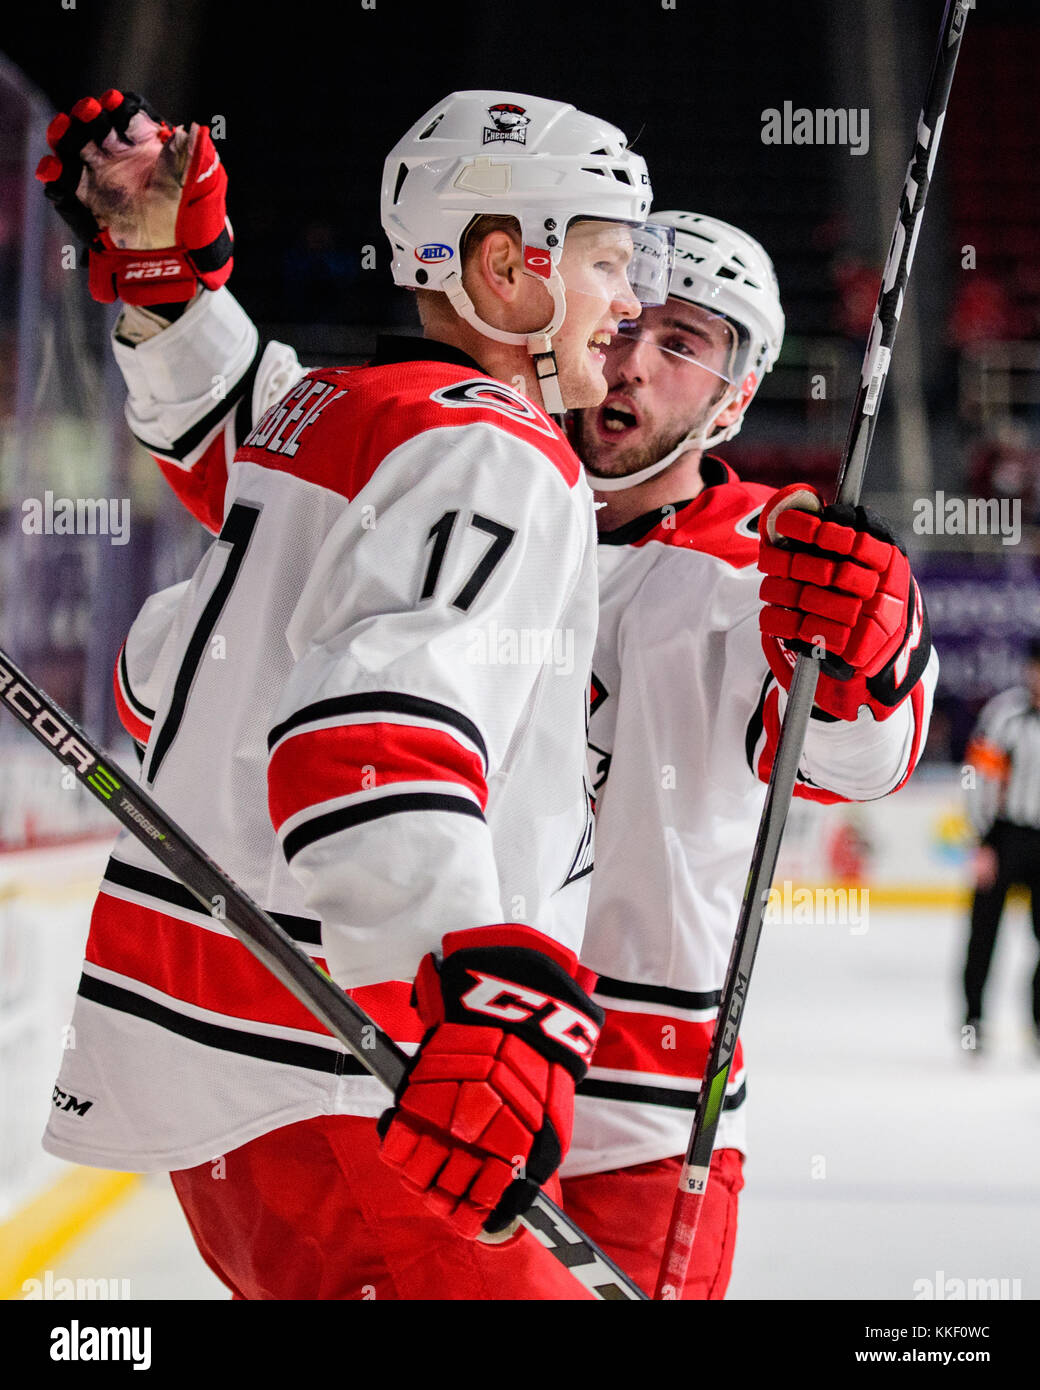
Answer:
[(217, 973), (771, 725), (128, 717), (201, 487), (657, 1044), (318, 765)]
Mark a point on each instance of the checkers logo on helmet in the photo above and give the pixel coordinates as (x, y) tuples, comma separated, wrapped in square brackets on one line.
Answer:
[(510, 123)]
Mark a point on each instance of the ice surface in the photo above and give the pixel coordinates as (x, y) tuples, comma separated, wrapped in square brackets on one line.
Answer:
[(926, 1157)]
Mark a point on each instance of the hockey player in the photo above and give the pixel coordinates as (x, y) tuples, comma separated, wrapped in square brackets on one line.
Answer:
[(318, 707), (689, 679), (675, 861)]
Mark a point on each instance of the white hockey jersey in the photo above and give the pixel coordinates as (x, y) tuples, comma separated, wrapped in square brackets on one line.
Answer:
[(684, 721), (350, 707), (685, 717)]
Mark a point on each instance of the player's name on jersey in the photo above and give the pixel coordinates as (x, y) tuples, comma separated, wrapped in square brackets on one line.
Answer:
[(969, 516), (281, 426)]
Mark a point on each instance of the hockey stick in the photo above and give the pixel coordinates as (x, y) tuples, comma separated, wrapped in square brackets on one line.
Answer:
[(693, 1179), (344, 1019)]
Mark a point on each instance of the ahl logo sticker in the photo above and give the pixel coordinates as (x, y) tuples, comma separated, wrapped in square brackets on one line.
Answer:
[(433, 251), (510, 124)]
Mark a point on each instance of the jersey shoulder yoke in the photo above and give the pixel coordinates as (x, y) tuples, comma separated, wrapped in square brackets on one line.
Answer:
[(721, 521), (337, 424)]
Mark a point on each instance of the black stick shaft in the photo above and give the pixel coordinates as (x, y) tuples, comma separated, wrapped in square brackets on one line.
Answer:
[(120, 794), (803, 684)]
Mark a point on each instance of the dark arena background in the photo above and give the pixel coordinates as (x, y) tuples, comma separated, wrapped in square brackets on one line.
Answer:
[(884, 1180)]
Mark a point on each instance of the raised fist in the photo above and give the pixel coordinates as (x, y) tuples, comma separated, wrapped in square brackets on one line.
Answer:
[(148, 199)]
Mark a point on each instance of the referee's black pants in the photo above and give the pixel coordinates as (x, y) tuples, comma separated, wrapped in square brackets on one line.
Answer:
[(1018, 862)]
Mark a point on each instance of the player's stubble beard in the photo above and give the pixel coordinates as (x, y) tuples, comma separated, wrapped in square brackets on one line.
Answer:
[(605, 461)]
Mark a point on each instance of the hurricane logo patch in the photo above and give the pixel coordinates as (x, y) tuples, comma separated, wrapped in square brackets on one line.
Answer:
[(482, 394)]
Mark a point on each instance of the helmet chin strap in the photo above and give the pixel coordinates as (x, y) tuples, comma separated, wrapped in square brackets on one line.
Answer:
[(619, 484), (538, 344), (697, 438)]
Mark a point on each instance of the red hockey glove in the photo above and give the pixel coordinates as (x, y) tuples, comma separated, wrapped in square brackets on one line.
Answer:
[(838, 581), (148, 199), (484, 1116)]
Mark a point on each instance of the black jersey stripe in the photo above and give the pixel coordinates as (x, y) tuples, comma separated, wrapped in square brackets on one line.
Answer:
[(654, 1095), (334, 821), (381, 702), (657, 994), (305, 931), (267, 1049), (142, 711), (192, 438)]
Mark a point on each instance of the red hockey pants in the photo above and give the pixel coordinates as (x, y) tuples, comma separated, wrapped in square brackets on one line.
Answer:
[(626, 1212), (310, 1211)]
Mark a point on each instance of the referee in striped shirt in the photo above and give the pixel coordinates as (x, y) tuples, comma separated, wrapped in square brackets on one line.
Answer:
[(1005, 811)]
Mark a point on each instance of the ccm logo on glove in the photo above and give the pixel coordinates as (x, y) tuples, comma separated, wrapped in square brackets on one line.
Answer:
[(502, 999), (510, 1027)]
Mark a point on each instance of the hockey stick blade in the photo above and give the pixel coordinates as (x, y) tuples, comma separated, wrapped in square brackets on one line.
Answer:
[(120, 794), (693, 1179)]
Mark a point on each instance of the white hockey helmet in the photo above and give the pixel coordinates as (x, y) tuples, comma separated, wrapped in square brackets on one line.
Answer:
[(505, 153), (722, 269)]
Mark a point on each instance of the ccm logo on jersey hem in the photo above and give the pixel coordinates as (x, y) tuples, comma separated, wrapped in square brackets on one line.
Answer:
[(517, 1004), (482, 394)]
